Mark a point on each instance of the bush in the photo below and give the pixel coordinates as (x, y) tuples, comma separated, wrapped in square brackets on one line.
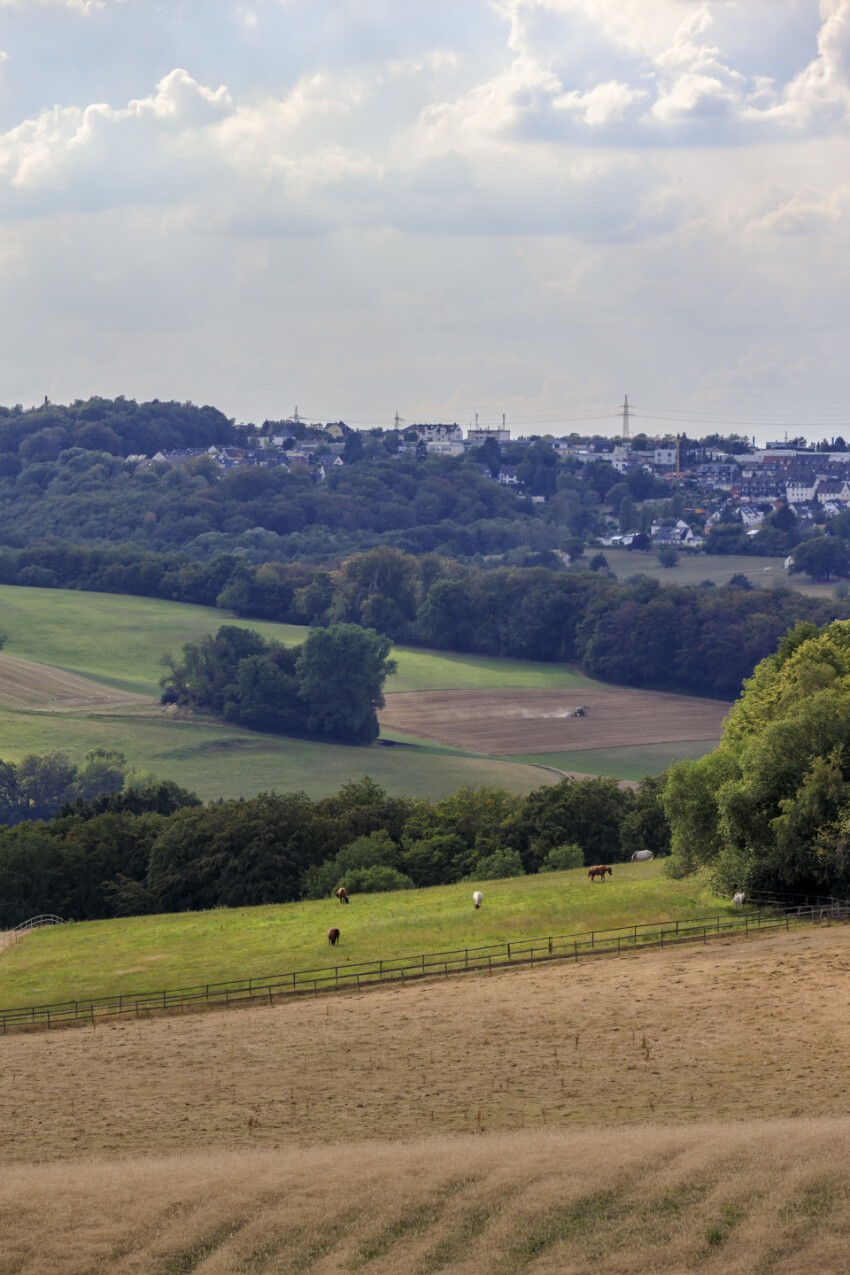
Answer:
[(502, 863), (375, 880), (560, 858)]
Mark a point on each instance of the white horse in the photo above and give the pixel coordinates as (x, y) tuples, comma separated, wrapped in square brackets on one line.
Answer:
[(739, 899), (642, 856), (477, 899)]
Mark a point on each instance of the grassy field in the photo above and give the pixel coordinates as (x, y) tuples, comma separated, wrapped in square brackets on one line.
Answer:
[(120, 640), (693, 568), (100, 958), (622, 763), (215, 759)]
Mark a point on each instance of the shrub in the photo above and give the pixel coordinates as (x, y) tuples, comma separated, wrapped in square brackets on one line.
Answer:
[(375, 880), (501, 863), (560, 858)]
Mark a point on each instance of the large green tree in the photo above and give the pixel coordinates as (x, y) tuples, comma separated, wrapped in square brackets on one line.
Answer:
[(770, 808), (341, 672)]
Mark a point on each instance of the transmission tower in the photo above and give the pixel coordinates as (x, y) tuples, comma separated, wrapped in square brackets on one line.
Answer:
[(625, 415), (398, 421)]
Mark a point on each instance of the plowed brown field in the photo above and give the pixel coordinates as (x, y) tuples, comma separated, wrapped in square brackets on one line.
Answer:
[(532, 721), (41, 688)]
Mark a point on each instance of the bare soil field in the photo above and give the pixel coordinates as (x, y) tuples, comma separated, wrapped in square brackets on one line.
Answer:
[(40, 688), (538, 721), (763, 1197), (746, 1028)]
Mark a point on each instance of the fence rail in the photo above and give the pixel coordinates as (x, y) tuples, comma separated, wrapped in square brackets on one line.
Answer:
[(363, 975), (8, 937)]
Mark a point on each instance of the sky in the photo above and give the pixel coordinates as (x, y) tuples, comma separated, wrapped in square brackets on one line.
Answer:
[(368, 207)]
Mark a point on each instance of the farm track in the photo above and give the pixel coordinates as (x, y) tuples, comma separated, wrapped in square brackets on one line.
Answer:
[(29, 687), (538, 721)]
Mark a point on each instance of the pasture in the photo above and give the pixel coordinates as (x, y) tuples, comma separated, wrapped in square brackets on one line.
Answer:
[(102, 958), (693, 568)]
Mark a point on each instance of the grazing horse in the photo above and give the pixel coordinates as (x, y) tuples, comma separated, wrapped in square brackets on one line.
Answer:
[(642, 856), (477, 899), (739, 899), (599, 871), (342, 894), (333, 936)]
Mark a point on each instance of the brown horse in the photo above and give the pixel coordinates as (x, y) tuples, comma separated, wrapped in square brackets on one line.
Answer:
[(333, 936), (599, 871), (342, 894)]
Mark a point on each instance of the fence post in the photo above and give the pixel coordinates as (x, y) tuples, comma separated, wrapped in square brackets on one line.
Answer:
[(509, 951), (550, 944)]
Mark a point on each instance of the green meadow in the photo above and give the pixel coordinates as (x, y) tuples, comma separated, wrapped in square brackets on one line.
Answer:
[(150, 953), (119, 641), (629, 762), (692, 568)]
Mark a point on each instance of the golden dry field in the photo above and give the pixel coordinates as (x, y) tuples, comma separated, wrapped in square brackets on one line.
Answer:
[(538, 721), (665, 1111)]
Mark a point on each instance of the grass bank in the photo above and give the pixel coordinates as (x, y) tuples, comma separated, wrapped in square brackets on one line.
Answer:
[(103, 958)]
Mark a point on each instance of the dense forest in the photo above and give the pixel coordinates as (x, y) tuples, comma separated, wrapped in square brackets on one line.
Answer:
[(130, 854)]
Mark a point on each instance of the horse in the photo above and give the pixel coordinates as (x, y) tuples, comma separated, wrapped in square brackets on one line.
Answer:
[(477, 899), (642, 856), (739, 899), (342, 894), (333, 936), (599, 871)]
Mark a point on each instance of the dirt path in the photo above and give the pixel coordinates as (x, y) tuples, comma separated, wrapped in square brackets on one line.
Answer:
[(743, 1028), (533, 721)]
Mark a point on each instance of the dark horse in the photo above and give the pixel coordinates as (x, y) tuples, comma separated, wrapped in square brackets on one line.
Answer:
[(333, 936), (599, 871)]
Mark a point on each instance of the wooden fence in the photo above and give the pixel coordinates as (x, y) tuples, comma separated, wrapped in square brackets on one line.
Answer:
[(363, 975)]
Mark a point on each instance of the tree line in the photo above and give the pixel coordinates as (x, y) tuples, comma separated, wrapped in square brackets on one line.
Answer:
[(699, 640), (157, 849)]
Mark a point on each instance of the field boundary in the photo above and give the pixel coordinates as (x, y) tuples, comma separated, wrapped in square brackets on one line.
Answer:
[(362, 976)]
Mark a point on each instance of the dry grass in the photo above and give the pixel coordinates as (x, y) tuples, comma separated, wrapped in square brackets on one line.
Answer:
[(603, 1118), (743, 1029), (749, 1197), (537, 721)]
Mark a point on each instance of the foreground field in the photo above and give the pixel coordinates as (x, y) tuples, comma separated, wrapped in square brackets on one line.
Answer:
[(756, 1196), (101, 958), (531, 721), (738, 1029)]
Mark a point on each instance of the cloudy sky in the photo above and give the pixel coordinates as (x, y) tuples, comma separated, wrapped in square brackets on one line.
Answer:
[(369, 206)]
